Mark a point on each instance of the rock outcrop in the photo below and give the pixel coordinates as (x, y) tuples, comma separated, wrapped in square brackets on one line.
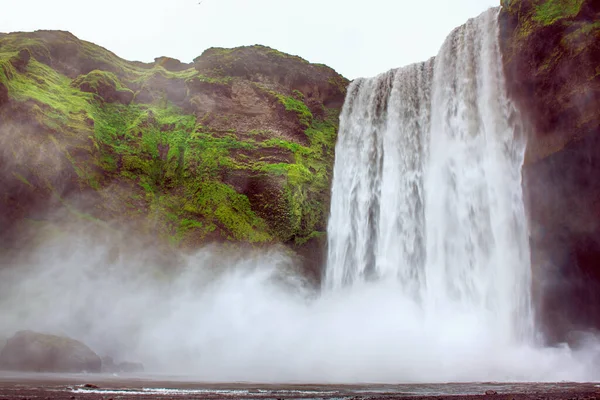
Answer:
[(551, 51), (237, 146), (36, 352), (105, 85)]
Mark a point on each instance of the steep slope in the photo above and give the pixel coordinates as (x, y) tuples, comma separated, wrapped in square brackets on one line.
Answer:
[(237, 146), (552, 62)]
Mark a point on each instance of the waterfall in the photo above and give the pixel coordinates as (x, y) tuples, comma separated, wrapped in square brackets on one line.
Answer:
[(427, 186), (428, 269)]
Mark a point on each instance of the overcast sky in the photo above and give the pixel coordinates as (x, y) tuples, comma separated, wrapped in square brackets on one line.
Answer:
[(355, 37)]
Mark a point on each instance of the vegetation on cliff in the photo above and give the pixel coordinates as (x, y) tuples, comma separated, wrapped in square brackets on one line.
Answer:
[(237, 146)]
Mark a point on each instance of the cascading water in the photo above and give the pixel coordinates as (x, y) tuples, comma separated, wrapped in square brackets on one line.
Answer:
[(427, 278), (427, 186)]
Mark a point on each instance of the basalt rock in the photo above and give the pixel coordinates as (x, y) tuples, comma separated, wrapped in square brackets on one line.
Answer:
[(261, 63), (551, 53)]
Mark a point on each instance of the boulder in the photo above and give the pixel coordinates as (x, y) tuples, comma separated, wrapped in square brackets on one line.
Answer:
[(36, 352), (91, 386)]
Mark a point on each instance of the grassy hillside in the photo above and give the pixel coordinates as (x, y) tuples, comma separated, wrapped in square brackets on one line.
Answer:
[(237, 146)]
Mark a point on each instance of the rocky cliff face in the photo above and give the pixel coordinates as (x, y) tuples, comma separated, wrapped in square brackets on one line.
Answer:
[(237, 146), (552, 60)]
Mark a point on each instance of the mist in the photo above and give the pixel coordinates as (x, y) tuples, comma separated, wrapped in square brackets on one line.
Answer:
[(225, 313), (222, 314)]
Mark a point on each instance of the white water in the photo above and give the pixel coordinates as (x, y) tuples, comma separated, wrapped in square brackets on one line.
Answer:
[(427, 277), (427, 187)]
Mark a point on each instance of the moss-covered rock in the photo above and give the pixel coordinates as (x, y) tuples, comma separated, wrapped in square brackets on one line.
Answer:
[(171, 64), (551, 52), (21, 60), (258, 63), (189, 155), (104, 84), (552, 56)]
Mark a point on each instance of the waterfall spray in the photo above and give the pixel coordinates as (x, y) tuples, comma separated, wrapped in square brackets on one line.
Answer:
[(428, 268)]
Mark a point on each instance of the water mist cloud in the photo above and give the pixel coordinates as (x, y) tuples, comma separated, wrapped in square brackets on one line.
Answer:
[(222, 315)]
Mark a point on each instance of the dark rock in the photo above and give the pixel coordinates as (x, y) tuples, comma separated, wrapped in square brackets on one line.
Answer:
[(3, 94), (36, 352), (261, 63), (105, 85), (21, 60), (552, 75), (90, 386), (490, 392)]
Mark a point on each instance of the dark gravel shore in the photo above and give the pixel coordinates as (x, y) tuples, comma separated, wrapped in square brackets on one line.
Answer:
[(71, 387)]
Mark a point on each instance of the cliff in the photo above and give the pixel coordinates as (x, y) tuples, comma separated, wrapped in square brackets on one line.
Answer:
[(236, 146), (551, 52)]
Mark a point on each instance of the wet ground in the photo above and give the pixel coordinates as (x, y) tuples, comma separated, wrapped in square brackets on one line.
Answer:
[(105, 387)]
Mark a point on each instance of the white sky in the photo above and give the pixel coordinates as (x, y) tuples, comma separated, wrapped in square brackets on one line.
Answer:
[(355, 37)]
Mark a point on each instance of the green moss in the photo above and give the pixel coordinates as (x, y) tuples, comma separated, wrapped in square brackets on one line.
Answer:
[(221, 204), (298, 95), (294, 104), (550, 11), (169, 163), (192, 160), (65, 105), (97, 78), (583, 33), (299, 241), (291, 146), (104, 84), (339, 82), (306, 188), (217, 51), (291, 104)]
